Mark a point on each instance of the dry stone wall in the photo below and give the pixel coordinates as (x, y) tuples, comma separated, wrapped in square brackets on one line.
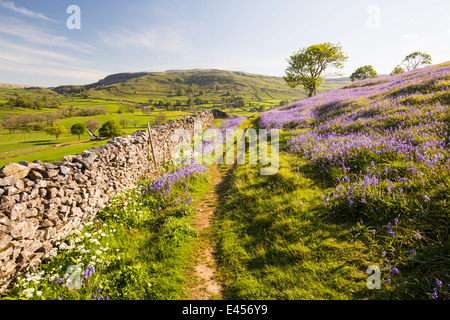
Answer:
[(42, 203)]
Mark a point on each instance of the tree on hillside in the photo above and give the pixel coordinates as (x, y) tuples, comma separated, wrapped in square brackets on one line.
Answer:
[(415, 60), (307, 65), (124, 122), (397, 70), (168, 104), (56, 130), (159, 119), (25, 120), (50, 117), (135, 122), (109, 129), (92, 124), (283, 103), (147, 110), (240, 102), (11, 122), (363, 72), (78, 129)]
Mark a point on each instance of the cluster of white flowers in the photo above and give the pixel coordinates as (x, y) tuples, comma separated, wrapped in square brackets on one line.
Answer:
[(28, 293), (50, 254), (83, 244)]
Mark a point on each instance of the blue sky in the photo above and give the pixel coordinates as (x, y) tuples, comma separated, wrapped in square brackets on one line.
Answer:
[(37, 48)]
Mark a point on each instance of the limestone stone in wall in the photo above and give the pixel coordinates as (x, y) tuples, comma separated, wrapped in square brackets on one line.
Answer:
[(43, 203)]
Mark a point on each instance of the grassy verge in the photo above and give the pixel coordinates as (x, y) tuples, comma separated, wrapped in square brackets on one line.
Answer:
[(138, 247), (275, 242)]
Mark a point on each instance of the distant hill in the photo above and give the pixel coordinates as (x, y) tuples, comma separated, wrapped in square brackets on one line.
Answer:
[(10, 85), (211, 84)]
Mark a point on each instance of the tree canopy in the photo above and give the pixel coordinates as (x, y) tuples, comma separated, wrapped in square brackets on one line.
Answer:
[(110, 129), (78, 129), (397, 70), (364, 72), (415, 60), (307, 65), (56, 130), (92, 124)]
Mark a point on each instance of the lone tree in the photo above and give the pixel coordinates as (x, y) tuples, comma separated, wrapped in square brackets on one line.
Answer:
[(78, 129), (109, 129), (363, 72), (415, 60), (135, 122), (307, 65), (124, 122), (92, 124), (397, 70), (11, 122), (159, 119), (56, 130)]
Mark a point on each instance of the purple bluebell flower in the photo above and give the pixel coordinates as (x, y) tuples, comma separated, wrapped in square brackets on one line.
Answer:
[(435, 294)]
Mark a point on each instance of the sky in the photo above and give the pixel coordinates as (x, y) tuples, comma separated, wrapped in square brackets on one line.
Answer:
[(40, 46)]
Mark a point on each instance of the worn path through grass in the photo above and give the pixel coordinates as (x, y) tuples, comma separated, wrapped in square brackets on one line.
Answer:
[(274, 240), (205, 283)]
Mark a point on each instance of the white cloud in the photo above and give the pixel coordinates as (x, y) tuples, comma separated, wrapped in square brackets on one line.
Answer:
[(34, 34), (28, 55), (31, 61), (166, 39), (10, 5), (84, 74)]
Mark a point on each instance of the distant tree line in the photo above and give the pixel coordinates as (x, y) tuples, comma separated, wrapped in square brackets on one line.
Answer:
[(71, 111), (412, 61), (29, 121), (20, 101), (307, 66), (39, 121)]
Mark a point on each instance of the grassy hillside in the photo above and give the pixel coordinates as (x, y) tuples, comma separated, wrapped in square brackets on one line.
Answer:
[(123, 95), (383, 146), (362, 184), (216, 84)]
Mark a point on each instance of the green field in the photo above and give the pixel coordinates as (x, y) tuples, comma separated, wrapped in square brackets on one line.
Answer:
[(122, 96), (29, 146)]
